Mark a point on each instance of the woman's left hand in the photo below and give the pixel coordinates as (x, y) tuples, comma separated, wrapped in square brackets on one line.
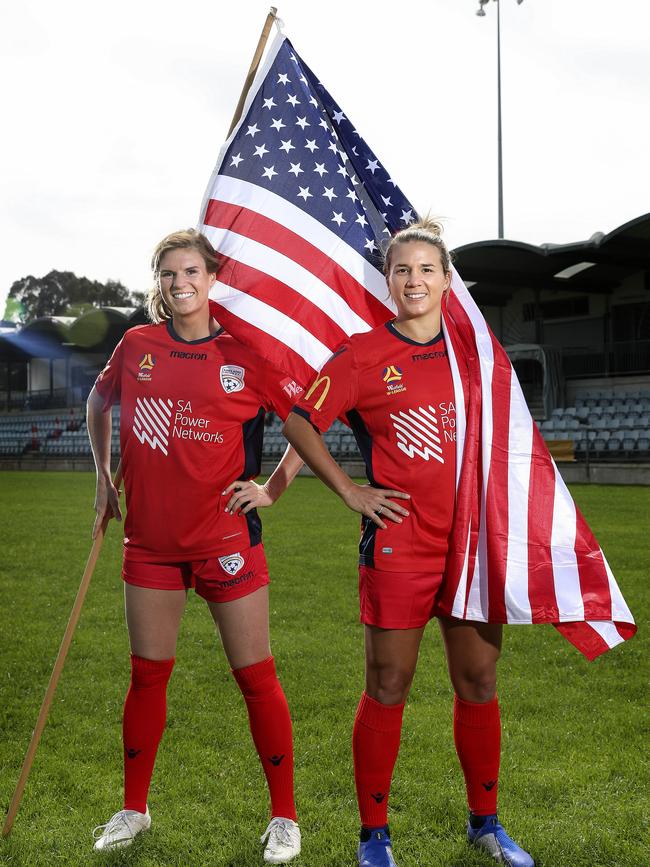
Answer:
[(246, 496)]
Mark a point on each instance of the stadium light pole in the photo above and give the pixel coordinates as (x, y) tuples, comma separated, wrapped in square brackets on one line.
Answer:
[(481, 14)]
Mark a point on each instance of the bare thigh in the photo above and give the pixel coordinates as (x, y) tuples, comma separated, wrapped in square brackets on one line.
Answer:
[(472, 650), (391, 659), (153, 618), (244, 627)]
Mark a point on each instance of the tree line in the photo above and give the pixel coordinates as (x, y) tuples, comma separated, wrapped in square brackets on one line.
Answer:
[(62, 293)]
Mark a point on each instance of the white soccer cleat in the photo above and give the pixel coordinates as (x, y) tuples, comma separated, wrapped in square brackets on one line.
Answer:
[(121, 829), (282, 840)]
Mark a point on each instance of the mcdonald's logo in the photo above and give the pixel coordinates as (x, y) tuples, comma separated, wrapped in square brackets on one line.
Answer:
[(321, 380)]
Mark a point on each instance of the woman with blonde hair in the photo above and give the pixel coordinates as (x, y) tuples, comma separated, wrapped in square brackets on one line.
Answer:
[(193, 402), (394, 387)]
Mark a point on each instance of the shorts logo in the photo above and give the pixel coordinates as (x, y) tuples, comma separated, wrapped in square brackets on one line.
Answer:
[(232, 378), (418, 433), (146, 364), (232, 563), (151, 422)]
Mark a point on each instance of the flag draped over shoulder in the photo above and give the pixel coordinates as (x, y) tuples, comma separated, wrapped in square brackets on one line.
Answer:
[(298, 206)]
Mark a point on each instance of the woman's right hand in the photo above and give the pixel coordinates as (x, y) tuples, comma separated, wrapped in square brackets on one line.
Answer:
[(375, 503), (107, 502)]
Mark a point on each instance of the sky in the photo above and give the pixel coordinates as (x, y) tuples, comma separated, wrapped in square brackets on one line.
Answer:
[(113, 116)]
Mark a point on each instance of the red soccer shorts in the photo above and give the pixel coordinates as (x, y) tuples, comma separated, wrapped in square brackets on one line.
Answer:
[(220, 579), (397, 600)]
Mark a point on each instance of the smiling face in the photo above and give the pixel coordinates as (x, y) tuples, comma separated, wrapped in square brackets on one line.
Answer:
[(417, 281), (185, 282)]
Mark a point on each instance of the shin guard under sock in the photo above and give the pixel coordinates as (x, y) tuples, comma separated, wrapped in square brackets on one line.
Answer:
[(270, 723), (375, 745), (477, 735), (145, 714)]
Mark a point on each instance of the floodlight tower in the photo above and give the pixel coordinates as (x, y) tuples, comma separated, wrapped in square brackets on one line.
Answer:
[(481, 13)]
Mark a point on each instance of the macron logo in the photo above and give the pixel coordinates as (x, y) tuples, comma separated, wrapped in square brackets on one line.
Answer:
[(418, 434), (151, 422)]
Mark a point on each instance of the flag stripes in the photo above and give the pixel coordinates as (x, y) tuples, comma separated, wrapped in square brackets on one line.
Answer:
[(298, 207)]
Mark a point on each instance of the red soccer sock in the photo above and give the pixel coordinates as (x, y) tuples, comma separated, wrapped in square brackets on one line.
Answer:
[(145, 714), (375, 745), (477, 735), (270, 722)]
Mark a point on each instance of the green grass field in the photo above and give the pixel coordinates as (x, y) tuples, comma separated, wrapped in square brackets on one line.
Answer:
[(574, 781)]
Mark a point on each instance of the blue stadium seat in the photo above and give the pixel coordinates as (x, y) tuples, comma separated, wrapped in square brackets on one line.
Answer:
[(614, 445), (643, 444)]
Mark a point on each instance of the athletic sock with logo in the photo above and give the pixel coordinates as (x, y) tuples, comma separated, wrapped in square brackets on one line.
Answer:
[(145, 714), (375, 745), (477, 735), (270, 722)]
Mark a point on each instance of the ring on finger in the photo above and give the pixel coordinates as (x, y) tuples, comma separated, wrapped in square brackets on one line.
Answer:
[(379, 510)]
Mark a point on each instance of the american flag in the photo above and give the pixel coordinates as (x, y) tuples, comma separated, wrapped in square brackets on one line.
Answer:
[(298, 206)]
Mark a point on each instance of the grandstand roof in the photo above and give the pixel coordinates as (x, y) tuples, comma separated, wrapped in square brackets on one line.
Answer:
[(498, 268)]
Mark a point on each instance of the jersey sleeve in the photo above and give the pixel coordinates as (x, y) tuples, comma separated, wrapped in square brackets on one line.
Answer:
[(281, 391), (332, 392), (109, 382)]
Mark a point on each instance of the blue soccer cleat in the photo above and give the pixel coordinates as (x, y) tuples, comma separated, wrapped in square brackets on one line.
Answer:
[(492, 837), (374, 848)]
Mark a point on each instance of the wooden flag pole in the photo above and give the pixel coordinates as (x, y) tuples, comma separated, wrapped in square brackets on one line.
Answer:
[(58, 667), (270, 18)]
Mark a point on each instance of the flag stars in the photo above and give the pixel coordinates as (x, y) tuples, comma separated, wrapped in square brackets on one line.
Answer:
[(391, 181), (386, 200), (351, 195), (322, 122), (287, 146), (407, 217), (277, 123), (329, 193), (361, 220), (332, 147), (304, 193), (313, 101), (320, 168), (283, 78), (311, 145), (342, 171), (269, 103), (303, 79), (260, 150), (293, 100), (238, 158), (253, 130), (370, 245), (269, 173), (339, 116), (372, 166), (302, 122), (295, 169), (338, 218)]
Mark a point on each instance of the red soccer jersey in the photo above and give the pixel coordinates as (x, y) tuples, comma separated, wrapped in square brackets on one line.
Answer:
[(191, 422), (397, 396)]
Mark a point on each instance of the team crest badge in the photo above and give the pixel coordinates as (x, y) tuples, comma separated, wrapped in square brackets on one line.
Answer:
[(232, 563), (392, 376), (146, 364), (232, 378)]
